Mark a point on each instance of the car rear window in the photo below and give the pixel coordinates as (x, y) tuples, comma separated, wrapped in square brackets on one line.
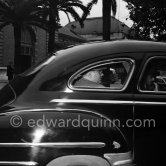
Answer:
[(113, 75)]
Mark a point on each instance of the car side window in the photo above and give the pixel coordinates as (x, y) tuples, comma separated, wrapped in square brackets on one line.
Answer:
[(154, 76), (113, 76)]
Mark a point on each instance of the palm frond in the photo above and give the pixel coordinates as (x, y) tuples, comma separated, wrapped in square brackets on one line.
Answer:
[(69, 1), (90, 4), (75, 15), (2, 25), (89, 7), (77, 5), (114, 7), (39, 23), (4, 6)]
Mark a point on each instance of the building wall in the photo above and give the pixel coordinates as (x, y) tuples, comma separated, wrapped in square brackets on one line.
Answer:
[(65, 40), (7, 46), (93, 29), (62, 38)]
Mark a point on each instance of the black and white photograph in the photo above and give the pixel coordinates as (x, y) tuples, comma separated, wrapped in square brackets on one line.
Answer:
[(82, 82)]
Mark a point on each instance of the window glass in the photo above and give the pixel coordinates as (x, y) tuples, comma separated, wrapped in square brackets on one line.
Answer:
[(154, 76), (112, 75)]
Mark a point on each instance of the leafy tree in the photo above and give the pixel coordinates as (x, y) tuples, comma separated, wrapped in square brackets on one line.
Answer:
[(108, 6), (52, 10), (21, 14), (149, 18)]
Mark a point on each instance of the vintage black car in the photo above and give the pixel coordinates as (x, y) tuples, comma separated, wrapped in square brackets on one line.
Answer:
[(95, 104)]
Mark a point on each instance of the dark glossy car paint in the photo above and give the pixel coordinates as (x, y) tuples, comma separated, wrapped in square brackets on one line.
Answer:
[(48, 86), (43, 136)]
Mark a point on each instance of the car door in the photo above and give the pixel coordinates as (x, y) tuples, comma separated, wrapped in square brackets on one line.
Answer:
[(115, 101), (150, 112)]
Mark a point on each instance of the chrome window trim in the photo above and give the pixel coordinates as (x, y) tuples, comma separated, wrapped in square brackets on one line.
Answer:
[(142, 73), (97, 64), (56, 145), (21, 163)]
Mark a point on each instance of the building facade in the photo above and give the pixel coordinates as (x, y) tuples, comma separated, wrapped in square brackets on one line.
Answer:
[(93, 29), (35, 50), (32, 51)]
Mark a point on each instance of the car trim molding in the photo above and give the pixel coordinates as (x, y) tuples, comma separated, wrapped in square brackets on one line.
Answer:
[(23, 163), (91, 101), (50, 109), (57, 145), (149, 103), (107, 102)]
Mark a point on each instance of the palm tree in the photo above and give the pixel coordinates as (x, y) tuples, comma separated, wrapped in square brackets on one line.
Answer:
[(108, 5), (52, 10), (21, 14)]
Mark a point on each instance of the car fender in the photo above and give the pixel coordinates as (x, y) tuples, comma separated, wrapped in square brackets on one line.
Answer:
[(79, 160)]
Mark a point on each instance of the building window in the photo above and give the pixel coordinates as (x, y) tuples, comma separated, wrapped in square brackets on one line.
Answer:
[(26, 50)]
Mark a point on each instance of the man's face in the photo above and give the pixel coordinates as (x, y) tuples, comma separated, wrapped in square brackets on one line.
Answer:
[(149, 80)]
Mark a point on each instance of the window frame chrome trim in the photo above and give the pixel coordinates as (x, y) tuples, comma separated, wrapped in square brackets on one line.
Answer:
[(142, 74), (97, 64)]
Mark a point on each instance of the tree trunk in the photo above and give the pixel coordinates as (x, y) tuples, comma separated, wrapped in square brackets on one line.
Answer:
[(106, 19), (52, 28), (17, 47)]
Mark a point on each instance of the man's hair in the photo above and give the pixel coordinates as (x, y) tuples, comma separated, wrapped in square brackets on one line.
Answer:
[(88, 74)]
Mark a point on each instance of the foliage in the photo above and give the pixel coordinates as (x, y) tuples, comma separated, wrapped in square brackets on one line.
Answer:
[(52, 8), (25, 14), (22, 15), (149, 18)]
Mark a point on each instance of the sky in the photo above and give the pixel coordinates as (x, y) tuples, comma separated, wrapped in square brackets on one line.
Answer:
[(122, 12)]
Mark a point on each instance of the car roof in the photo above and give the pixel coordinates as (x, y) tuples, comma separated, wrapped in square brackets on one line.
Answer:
[(88, 51), (129, 45), (133, 46), (69, 60)]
